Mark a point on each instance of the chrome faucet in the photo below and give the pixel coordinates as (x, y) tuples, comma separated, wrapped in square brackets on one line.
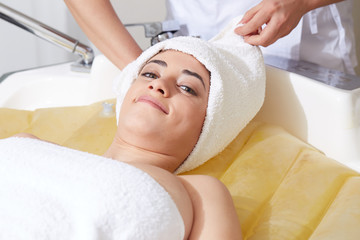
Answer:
[(52, 35)]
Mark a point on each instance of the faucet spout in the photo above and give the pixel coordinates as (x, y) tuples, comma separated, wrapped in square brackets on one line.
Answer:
[(49, 34)]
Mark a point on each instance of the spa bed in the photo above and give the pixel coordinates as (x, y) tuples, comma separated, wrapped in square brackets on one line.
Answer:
[(293, 172)]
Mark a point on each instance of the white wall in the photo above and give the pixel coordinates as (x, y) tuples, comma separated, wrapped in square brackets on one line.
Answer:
[(21, 50), (138, 11)]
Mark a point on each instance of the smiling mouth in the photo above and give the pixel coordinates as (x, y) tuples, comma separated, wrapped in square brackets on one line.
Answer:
[(153, 102)]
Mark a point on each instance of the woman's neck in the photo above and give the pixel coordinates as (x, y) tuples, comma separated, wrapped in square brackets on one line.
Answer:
[(125, 152)]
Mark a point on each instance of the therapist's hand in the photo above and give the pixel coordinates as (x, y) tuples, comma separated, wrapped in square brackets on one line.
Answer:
[(280, 17)]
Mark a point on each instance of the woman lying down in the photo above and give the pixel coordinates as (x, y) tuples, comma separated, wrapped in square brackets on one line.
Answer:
[(179, 104)]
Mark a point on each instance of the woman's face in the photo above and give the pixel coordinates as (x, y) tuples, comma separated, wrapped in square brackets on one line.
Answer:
[(165, 107)]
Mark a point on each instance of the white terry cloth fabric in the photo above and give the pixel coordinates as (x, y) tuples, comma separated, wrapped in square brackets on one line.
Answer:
[(51, 192), (237, 87)]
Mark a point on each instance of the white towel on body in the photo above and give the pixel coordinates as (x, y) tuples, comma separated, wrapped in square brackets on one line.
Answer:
[(51, 192), (237, 87)]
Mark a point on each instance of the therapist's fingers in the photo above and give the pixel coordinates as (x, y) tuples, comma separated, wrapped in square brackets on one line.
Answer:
[(265, 38), (279, 16), (250, 14), (253, 24), (276, 28)]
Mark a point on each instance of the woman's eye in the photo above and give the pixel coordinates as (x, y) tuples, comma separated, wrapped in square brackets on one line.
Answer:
[(149, 75), (188, 90)]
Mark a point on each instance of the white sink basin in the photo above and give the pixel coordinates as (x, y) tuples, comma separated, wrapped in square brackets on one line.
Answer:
[(57, 86)]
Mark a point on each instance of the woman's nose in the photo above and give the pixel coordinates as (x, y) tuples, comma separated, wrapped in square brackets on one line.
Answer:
[(160, 86)]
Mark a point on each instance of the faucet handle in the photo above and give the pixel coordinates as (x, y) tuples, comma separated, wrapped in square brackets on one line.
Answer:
[(170, 26), (158, 31), (153, 29)]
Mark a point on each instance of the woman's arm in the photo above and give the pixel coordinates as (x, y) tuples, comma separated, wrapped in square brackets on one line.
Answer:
[(214, 212), (99, 21)]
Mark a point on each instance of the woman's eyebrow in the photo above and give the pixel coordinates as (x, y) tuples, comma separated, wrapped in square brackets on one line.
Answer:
[(160, 62), (194, 74)]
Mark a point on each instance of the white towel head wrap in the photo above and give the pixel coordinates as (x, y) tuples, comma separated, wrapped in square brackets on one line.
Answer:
[(237, 87)]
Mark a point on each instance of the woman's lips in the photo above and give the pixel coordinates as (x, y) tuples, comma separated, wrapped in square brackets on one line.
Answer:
[(153, 102)]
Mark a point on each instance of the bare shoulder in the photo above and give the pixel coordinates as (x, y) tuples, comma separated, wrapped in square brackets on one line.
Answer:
[(211, 201), (203, 183), (208, 189)]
